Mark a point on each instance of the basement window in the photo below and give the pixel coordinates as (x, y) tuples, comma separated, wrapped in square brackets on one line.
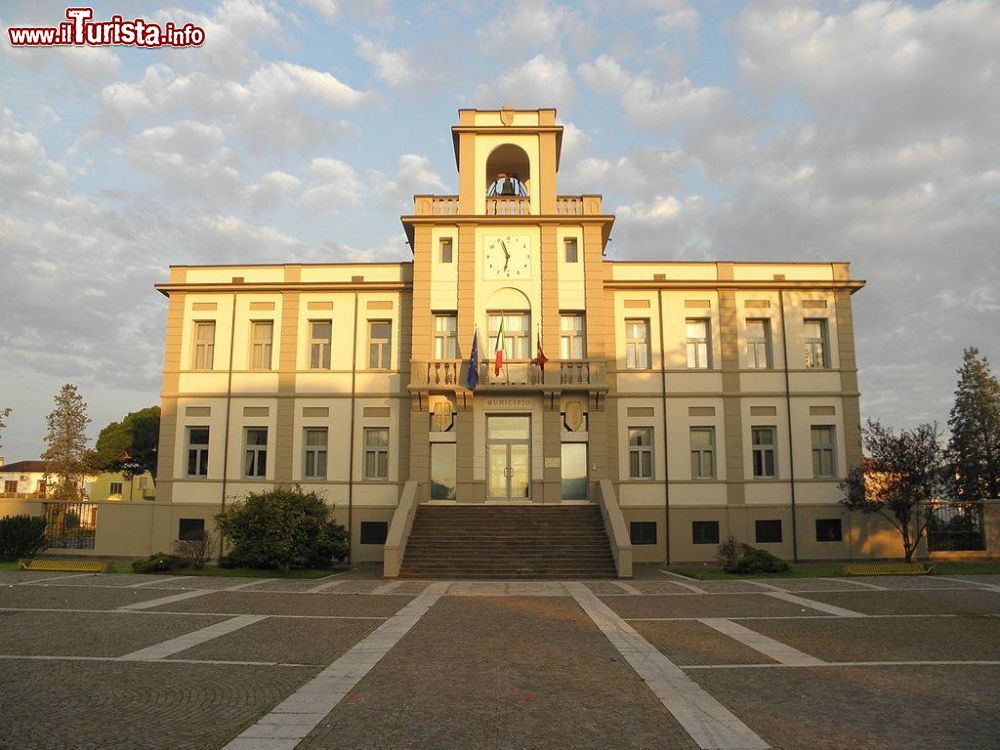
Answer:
[(642, 532), (374, 532)]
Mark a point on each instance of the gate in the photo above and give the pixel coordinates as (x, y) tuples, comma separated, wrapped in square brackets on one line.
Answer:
[(956, 527)]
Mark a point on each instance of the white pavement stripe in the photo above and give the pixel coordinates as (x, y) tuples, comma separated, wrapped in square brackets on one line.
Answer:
[(780, 652), (709, 723), (388, 588), (821, 606), (323, 587), (248, 584), (156, 580), (683, 582), (977, 584), (189, 614), (192, 639), (763, 585), (627, 589), (54, 578), (925, 663), (862, 584), (295, 717), (223, 662), (165, 600)]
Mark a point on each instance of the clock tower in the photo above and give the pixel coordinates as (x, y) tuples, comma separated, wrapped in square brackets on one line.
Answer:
[(513, 263)]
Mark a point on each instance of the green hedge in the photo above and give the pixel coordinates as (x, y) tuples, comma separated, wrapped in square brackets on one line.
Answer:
[(21, 537)]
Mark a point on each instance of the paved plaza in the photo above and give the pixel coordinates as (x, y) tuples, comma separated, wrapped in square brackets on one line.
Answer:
[(132, 662)]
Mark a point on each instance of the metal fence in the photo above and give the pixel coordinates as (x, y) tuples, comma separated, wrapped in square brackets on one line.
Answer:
[(70, 525), (956, 527)]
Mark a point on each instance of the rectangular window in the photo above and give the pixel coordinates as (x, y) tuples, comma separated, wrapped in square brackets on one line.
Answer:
[(573, 466), (764, 440), (758, 343), (191, 529), (824, 452), (255, 452), (443, 471), (10, 486), (315, 441), (704, 532), (698, 343), (261, 341), (642, 532), (115, 488), (572, 252), (374, 532), (376, 453), (571, 336), (637, 344), (197, 451), (703, 453), (828, 530), (446, 250), (516, 335), (640, 452), (445, 336), (815, 333), (768, 532), (320, 341), (204, 344), (379, 344)]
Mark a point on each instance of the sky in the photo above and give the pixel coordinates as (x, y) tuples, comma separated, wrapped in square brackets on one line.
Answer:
[(866, 132)]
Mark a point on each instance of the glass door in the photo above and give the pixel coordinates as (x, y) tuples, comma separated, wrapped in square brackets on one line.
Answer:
[(508, 458)]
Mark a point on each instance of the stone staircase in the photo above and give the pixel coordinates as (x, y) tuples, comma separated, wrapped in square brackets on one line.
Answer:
[(502, 541)]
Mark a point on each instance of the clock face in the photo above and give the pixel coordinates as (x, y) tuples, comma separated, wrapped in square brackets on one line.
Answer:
[(508, 256)]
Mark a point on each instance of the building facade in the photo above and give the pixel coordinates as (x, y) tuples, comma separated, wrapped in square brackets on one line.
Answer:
[(717, 397)]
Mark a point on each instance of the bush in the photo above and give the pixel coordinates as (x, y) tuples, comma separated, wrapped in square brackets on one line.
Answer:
[(755, 560), (730, 551), (160, 563), (21, 537), (282, 529), (196, 551)]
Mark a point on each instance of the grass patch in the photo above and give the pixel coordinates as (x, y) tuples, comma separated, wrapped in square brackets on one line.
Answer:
[(212, 570), (8, 565), (964, 568), (829, 570)]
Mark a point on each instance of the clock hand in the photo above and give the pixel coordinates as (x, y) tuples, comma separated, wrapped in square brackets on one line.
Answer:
[(504, 246)]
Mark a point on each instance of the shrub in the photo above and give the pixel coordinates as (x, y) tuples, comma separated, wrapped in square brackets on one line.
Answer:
[(282, 529), (160, 563), (196, 551), (755, 560), (21, 537), (730, 551)]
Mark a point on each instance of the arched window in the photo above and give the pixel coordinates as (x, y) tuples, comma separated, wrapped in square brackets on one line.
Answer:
[(508, 172)]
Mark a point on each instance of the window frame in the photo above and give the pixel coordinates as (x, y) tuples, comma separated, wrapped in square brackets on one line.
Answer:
[(811, 343), (640, 450), (259, 452), (710, 451), (512, 338), (202, 456), (445, 340), (754, 343), (256, 325), (320, 453), (379, 454), (443, 244), (204, 346), (568, 337), (766, 524), (325, 345), (698, 343), (823, 449), (634, 346), (826, 522), (763, 449), (383, 359), (119, 485), (638, 533), (571, 242), (442, 447), (703, 526)]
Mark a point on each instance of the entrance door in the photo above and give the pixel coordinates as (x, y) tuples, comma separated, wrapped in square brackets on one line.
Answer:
[(508, 457)]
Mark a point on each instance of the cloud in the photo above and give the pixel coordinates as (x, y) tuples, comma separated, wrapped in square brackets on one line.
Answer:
[(395, 68), (540, 82), (531, 26), (326, 8)]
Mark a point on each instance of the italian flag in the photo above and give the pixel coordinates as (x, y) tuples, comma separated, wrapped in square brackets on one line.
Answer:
[(499, 350)]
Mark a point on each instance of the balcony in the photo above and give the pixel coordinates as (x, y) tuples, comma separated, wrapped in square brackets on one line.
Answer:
[(519, 375), (507, 205)]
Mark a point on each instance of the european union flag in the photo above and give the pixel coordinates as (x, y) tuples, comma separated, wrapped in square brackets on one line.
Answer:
[(473, 377)]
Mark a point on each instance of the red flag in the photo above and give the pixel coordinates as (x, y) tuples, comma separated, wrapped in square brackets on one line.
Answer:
[(499, 350), (540, 358)]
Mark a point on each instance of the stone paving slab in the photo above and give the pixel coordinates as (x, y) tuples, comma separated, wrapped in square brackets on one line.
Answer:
[(248, 603), (288, 585), (504, 672), (605, 588), (991, 579), (205, 582), (104, 580), (897, 639), (687, 642), (354, 586), (864, 708), (287, 641), (738, 605), (89, 634), (796, 585), (957, 602), (660, 587), (72, 705), (734, 586), (73, 597), (908, 583)]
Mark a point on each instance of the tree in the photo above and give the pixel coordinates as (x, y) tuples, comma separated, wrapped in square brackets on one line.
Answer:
[(66, 456), (4, 413), (900, 474), (974, 448), (130, 446)]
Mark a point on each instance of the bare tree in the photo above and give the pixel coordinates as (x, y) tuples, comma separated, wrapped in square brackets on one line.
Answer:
[(900, 474), (4, 413), (66, 456)]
